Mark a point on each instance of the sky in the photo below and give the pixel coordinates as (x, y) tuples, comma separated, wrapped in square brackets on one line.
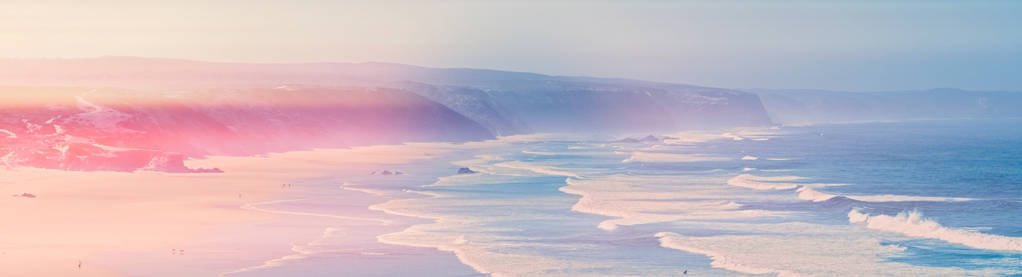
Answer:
[(835, 45)]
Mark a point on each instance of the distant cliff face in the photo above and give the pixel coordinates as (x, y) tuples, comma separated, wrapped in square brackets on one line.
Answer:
[(600, 107), (107, 129), (131, 113)]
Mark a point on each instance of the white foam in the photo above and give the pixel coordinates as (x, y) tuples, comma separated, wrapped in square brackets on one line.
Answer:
[(425, 193), (913, 224), (454, 180), (903, 198), (807, 193), (854, 216), (616, 196), (749, 158), (544, 170), (358, 188), (539, 137), (256, 207), (763, 183), (732, 136), (673, 241), (481, 255), (541, 153), (669, 158), (691, 137), (801, 249), (485, 254), (300, 252), (777, 183)]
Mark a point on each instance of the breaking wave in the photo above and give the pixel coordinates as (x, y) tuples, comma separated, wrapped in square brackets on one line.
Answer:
[(808, 191), (763, 183), (913, 224)]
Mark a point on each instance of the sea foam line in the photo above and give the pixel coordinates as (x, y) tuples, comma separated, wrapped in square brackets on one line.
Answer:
[(299, 253), (669, 158), (763, 183), (255, 207), (617, 197), (541, 153), (474, 254), (797, 249), (718, 260), (536, 169), (809, 192), (358, 188), (913, 224)]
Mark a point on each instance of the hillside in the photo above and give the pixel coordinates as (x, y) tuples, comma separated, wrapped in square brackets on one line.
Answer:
[(124, 113)]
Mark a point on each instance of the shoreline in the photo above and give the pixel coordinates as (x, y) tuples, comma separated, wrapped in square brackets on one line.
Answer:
[(118, 223)]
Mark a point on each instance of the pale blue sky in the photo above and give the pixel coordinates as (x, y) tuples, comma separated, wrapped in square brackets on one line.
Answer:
[(839, 45)]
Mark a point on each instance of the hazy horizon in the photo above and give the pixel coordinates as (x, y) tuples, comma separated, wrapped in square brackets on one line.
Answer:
[(850, 46), (502, 138), (791, 89)]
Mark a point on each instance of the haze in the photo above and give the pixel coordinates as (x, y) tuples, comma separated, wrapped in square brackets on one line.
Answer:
[(824, 45)]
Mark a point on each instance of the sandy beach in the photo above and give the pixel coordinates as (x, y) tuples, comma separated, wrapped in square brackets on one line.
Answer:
[(144, 223)]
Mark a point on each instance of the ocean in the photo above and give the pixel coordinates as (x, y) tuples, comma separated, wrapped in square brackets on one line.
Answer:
[(920, 198)]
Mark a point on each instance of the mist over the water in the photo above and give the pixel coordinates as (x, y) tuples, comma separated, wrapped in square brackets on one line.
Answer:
[(833, 45), (503, 138)]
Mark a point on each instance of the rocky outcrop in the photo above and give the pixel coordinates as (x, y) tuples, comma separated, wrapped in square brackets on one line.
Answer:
[(505, 103), (125, 130), (124, 114)]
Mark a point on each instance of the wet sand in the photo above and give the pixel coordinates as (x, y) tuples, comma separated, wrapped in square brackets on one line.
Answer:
[(160, 224)]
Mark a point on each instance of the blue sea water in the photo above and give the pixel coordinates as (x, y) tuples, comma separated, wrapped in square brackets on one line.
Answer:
[(923, 198)]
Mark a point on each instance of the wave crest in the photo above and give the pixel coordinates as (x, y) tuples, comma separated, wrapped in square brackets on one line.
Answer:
[(763, 183), (915, 225), (544, 170), (669, 158)]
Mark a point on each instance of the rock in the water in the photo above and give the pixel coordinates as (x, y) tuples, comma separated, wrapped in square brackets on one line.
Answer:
[(649, 138), (387, 172), (465, 170), (627, 140)]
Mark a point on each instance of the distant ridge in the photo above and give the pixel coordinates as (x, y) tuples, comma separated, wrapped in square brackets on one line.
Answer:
[(128, 113), (505, 102)]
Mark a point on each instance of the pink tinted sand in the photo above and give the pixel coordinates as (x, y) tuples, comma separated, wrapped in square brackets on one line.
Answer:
[(120, 224)]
